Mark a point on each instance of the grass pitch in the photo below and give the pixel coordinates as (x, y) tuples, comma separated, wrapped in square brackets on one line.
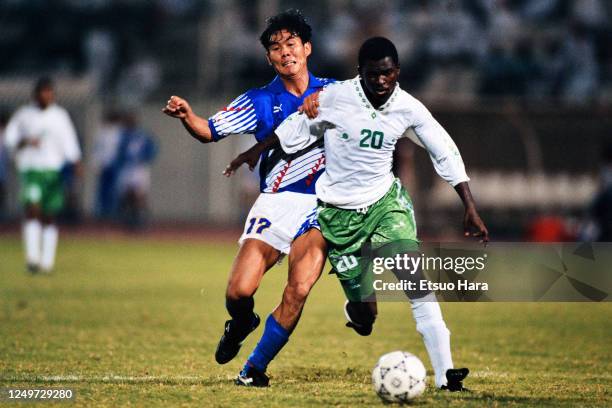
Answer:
[(136, 323)]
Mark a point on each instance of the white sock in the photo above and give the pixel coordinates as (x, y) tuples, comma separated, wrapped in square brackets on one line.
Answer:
[(436, 336), (49, 245), (31, 241)]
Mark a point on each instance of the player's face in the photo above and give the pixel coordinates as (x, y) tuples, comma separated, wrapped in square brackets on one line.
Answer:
[(45, 97), (379, 78), (287, 54)]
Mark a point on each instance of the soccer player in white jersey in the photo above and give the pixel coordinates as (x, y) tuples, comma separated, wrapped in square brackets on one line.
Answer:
[(361, 202), (42, 139), (277, 223)]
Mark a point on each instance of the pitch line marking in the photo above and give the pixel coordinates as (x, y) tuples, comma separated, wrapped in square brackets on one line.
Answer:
[(107, 379)]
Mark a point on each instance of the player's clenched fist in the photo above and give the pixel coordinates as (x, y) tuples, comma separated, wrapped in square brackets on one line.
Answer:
[(197, 126), (177, 107)]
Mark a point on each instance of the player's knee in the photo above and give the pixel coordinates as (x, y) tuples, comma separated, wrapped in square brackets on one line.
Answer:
[(239, 290), (309, 249), (47, 220), (305, 272), (32, 211), (298, 292)]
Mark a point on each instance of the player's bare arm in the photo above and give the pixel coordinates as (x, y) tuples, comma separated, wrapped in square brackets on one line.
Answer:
[(197, 126), (472, 223), (252, 155)]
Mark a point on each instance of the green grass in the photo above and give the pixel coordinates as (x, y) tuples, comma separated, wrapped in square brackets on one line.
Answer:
[(136, 323)]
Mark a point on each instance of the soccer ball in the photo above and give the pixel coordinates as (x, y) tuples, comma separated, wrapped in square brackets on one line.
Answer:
[(399, 377)]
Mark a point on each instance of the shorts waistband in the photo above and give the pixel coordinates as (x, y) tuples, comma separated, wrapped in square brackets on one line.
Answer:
[(362, 210)]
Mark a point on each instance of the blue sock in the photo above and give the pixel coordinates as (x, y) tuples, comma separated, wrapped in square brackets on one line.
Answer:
[(272, 341)]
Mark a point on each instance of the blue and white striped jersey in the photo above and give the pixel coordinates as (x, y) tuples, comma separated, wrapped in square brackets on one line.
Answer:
[(259, 111)]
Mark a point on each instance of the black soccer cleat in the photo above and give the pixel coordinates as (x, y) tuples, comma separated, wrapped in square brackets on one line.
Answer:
[(251, 377), (232, 339), (454, 380), (362, 328)]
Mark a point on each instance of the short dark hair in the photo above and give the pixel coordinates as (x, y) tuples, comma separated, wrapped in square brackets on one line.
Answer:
[(291, 20), (43, 83), (377, 48)]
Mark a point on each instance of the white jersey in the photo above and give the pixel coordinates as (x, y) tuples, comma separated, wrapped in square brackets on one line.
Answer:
[(360, 140), (53, 129)]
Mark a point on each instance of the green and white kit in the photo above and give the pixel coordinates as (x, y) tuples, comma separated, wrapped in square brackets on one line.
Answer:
[(39, 164), (43, 188)]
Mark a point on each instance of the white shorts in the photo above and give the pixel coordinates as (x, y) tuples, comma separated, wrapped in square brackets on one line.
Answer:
[(137, 177), (277, 218)]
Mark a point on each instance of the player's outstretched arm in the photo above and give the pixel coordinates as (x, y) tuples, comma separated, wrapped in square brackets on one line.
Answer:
[(197, 126), (472, 223), (252, 155)]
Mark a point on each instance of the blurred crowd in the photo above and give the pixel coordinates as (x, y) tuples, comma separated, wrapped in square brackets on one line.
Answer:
[(536, 49), (110, 42)]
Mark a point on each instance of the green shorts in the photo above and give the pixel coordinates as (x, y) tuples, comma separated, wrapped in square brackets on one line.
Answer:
[(43, 188), (351, 233)]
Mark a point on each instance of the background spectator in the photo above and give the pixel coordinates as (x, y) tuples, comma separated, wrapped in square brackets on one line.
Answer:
[(136, 151), (105, 154)]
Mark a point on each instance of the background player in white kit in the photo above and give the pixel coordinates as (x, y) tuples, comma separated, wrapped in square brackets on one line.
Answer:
[(42, 139), (361, 202)]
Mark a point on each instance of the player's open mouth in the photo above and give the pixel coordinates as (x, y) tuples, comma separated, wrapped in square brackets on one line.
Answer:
[(287, 63)]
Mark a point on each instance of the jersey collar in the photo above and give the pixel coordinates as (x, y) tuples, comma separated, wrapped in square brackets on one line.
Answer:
[(366, 103), (277, 87), (35, 106)]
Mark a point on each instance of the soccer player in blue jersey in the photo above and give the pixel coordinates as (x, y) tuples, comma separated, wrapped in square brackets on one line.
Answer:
[(279, 221)]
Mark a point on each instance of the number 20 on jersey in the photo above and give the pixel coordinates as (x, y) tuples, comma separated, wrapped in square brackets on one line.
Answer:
[(371, 139)]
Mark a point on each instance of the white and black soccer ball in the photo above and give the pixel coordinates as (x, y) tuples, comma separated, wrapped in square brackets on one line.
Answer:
[(399, 377)]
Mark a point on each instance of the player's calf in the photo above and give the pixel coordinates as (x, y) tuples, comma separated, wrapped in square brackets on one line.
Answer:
[(253, 260), (289, 310)]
